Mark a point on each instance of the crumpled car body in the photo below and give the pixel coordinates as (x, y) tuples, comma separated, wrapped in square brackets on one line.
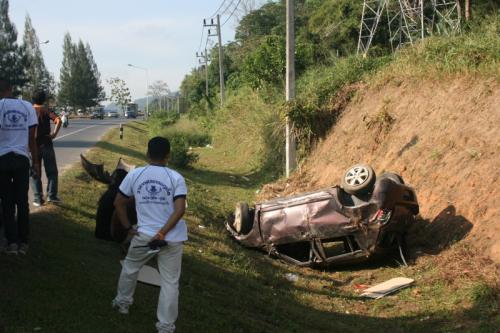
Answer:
[(331, 226)]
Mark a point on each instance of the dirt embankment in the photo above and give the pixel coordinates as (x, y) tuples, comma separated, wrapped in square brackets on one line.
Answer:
[(442, 136)]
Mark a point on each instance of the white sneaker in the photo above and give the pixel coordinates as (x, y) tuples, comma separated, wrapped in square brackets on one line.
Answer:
[(12, 249), (122, 308)]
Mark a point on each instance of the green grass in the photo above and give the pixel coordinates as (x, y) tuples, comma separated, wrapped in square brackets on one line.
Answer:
[(67, 281)]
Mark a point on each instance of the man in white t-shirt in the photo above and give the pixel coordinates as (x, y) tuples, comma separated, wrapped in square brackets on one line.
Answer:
[(160, 200), (18, 122)]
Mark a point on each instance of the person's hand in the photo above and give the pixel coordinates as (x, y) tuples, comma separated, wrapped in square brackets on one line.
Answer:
[(132, 231), (37, 169), (52, 135), (159, 236)]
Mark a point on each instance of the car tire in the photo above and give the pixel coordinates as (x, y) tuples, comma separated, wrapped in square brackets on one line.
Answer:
[(242, 219), (358, 179), (393, 176)]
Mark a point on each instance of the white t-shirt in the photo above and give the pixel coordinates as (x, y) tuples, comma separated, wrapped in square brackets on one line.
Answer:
[(16, 118), (155, 189)]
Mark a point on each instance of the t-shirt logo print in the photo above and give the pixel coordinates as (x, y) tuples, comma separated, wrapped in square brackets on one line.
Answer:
[(152, 189), (153, 192), (14, 120)]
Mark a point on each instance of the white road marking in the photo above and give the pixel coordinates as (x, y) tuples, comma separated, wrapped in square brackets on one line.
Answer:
[(74, 132)]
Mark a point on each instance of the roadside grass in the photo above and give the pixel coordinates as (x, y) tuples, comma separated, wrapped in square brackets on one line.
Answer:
[(67, 281)]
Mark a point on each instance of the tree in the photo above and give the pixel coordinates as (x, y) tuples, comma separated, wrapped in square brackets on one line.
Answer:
[(80, 80), (120, 94), (159, 89), (96, 87), (37, 74), (12, 56), (65, 76)]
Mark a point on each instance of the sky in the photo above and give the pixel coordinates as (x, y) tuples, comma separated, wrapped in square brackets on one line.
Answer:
[(160, 35)]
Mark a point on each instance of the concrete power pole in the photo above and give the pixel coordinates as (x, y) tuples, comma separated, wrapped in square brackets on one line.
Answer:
[(221, 55), (291, 158), (221, 62)]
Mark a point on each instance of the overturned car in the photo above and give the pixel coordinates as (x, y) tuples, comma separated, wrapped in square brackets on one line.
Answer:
[(343, 224)]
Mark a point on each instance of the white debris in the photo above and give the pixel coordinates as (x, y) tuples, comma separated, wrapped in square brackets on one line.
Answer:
[(387, 287), (201, 226), (292, 277)]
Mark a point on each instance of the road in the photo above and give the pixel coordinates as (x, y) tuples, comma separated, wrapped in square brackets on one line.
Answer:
[(78, 137)]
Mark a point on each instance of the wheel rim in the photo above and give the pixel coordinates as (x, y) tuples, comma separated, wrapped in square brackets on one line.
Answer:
[(357, 175)]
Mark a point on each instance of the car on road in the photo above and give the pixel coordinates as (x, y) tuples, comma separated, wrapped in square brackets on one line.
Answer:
[(97, 115), (79, 112), (113, 114), (363, 217)]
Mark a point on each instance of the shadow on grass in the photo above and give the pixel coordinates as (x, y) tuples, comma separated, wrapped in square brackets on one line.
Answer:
[(121, 150), (265, 302), (136, 126), (75, 271)]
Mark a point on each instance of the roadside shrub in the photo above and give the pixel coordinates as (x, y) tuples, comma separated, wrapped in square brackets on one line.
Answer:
[(160, 120), (180, 156)]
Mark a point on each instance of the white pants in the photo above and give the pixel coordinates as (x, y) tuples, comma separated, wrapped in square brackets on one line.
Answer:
[(169, 264)]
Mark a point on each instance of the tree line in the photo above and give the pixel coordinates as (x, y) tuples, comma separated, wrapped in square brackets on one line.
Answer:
[(79, 83)]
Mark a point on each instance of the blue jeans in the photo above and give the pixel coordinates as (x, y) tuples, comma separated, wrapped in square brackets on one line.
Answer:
[(48, 156)]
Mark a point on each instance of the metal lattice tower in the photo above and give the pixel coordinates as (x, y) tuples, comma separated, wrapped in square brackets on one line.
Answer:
[(406, 20), (372, 12), (445, 11)]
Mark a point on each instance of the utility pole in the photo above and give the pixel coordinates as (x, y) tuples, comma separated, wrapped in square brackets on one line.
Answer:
[(291, 159), (204, 63), (221, 55), (422, 26), (221, 63)]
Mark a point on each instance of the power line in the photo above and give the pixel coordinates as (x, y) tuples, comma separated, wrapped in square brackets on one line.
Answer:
[(227, 7), (201, 39), (217, 11), (234, 11)]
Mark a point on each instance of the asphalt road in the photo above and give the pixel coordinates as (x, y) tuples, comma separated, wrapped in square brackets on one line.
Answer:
[(78, 137)]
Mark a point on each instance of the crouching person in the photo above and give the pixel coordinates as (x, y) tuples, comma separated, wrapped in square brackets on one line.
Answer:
[(160, 199)]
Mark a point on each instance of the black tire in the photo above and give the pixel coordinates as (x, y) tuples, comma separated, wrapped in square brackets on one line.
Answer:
[(242, 219), (358, 179), (393, 176)]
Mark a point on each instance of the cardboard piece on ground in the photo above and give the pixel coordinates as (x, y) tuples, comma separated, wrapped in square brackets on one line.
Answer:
[(387, 287), (148, 275)]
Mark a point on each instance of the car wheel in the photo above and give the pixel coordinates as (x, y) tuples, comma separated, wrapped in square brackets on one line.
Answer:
[(242, 219), (394, 177), (358, 179)]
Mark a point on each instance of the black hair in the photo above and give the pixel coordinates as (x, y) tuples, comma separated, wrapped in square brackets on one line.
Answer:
[(158, 148), (5, 84), (39, 97)]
